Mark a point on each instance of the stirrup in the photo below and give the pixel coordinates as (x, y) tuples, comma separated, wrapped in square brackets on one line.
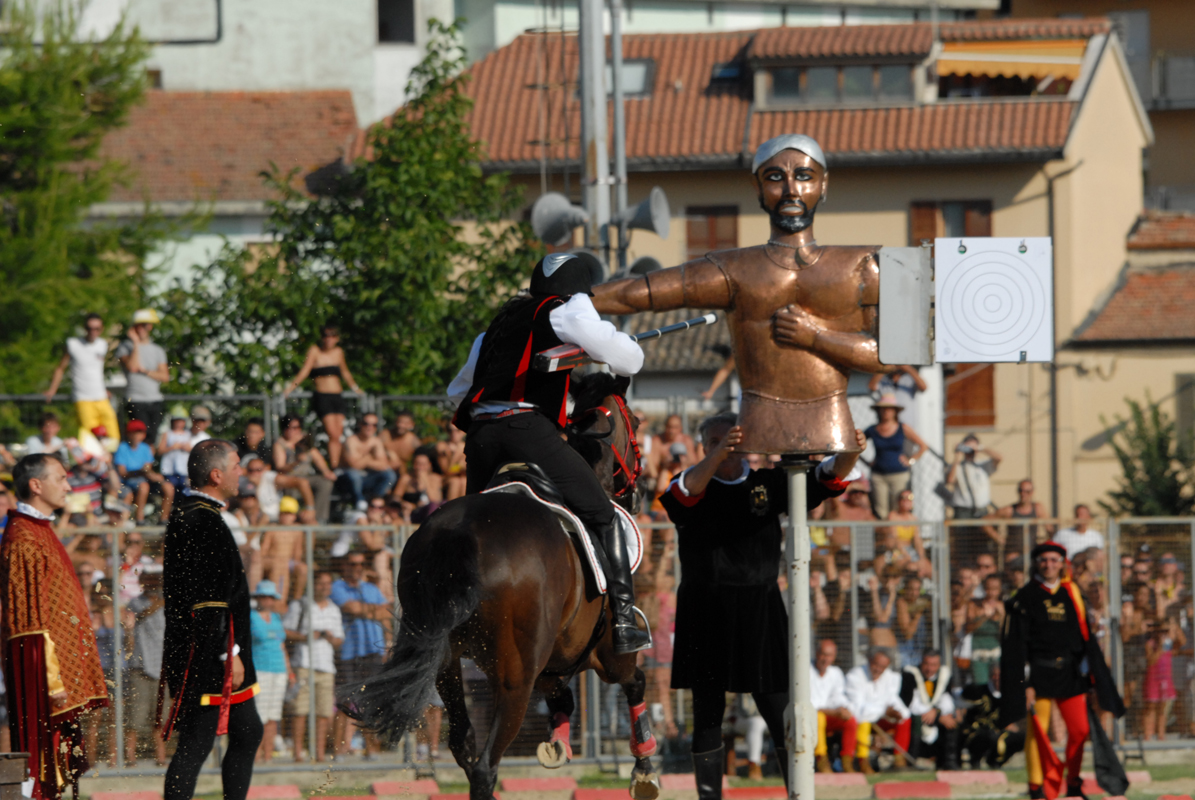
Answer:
[(622, 651)]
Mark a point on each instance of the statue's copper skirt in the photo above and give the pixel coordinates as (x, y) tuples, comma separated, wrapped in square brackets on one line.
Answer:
[(773, 425)]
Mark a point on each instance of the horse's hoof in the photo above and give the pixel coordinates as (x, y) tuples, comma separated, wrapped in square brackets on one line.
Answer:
[(645, 785), (554, 755)]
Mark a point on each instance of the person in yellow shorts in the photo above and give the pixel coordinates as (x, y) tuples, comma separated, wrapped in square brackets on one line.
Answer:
[(85, 357)]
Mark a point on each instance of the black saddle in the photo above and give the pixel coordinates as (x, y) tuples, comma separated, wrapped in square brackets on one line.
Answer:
[(529, 474)]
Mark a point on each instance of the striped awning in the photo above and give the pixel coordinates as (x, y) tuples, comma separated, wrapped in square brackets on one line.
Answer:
[(1029, 59)]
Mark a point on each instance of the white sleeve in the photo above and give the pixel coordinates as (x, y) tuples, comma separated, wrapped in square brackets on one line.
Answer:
[(577, 322), (896, 702), (838, 692), (853, 692), (464, 379)]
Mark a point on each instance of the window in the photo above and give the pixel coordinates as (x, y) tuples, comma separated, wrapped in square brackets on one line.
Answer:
[(1184, 402), (970, 396), (970, 388), (856, 83), (396, 21), (636, 77), (711, 228), (950, 218)]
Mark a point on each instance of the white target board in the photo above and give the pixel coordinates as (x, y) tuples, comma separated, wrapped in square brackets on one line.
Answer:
[(994, 299)]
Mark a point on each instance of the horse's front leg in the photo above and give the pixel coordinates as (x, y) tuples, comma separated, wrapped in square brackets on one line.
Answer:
[(645, 783)]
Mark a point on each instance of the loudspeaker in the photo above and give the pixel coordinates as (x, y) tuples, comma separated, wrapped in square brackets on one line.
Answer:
[(553, 218), (650, 215), (644, 265)]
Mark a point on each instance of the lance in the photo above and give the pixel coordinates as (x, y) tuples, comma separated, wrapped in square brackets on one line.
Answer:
[(568, 356)]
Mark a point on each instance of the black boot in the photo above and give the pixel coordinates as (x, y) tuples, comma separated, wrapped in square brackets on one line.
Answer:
[(707, 771), (621, 591), (948, 750)]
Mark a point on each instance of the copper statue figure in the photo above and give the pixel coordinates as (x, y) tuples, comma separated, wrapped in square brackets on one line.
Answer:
[(801, 316)]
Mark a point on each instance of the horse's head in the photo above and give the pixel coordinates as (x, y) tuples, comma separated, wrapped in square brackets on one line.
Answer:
[(602, 431)]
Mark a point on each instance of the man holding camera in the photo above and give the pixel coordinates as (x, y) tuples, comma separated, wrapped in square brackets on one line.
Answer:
[(969, 481)]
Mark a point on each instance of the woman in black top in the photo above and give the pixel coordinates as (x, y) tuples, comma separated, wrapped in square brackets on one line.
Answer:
[(731, 623), (326, 364)]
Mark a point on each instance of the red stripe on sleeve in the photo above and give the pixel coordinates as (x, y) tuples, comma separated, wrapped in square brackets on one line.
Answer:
[(835, 484), (686, 500)]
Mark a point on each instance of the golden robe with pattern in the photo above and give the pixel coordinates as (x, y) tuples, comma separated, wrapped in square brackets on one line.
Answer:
[(49, 646)]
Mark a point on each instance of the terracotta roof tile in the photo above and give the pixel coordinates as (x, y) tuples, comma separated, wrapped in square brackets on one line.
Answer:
[(911, 40), (204, 146), (692, 350), (1163, 230), (960, 129), (688, 119), (1151, 305)]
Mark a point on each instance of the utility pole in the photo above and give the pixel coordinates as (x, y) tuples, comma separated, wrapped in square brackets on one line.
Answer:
[(595, 157), (620, 132)]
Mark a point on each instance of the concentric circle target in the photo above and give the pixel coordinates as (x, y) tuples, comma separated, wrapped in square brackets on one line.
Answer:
[(992, 303)]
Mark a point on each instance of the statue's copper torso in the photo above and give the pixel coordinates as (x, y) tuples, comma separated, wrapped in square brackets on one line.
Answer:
[(764, 279)]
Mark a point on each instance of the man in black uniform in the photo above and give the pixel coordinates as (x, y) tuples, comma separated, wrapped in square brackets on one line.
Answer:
[(731, 624), (208, 658), (514, 413), (926, 691), (982, 737), (1046, 626)]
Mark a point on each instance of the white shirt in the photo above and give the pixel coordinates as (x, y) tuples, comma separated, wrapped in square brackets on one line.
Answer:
[(868, 700), (87, 368), (323, 618), (1076, 542), (30, 511), (922, 702), (267, 495), (827, 691), (35, 446), (973, 484), (576, 322)]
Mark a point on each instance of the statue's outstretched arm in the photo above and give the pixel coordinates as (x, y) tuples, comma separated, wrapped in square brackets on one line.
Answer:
[(695, 284)]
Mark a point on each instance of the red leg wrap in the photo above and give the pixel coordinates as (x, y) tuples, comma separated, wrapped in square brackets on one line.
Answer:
[(643, 743), (560, 732)]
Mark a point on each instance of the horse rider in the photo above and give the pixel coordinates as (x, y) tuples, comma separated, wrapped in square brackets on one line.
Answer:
[(513, 413)]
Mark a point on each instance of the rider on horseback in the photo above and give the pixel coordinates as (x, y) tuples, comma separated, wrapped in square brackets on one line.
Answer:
[(513, 413)]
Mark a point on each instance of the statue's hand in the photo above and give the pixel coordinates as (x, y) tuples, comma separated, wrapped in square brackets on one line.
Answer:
[(795, 327)]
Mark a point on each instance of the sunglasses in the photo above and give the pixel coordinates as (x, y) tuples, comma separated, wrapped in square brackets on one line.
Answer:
[(369, 424), (257, 469)]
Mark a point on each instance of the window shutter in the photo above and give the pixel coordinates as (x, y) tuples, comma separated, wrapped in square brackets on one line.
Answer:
[(923, 222), (971, 397)]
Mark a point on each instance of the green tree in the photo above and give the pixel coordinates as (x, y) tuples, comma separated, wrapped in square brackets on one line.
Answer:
[(1156, 477), (410, 251), (59, 97)]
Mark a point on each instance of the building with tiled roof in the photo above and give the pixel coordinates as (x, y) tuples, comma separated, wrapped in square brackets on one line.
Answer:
[(1002, 128)]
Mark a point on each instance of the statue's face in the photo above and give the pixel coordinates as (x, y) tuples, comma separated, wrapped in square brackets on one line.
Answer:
[(790, 185)]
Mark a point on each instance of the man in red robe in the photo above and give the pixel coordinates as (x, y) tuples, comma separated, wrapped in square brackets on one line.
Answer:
[(51, 666)]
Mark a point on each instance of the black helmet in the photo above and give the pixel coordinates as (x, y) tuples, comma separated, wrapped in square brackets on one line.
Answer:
[(565, 274)]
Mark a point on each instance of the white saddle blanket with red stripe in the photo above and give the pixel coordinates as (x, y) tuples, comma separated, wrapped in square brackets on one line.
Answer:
[(572, 526)]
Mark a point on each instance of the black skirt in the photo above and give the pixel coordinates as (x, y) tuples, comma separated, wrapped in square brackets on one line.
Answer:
[(325, 403), (730, 638)]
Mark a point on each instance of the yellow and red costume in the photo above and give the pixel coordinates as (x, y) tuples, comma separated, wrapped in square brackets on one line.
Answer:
[(1047, 627), (49, 648)]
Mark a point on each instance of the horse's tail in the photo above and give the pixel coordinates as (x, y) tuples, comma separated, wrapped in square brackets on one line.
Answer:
[(444, 594)]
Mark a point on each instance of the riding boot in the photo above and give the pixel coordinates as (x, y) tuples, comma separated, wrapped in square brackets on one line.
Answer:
[(782, 762), (621, 591), (707, 771)]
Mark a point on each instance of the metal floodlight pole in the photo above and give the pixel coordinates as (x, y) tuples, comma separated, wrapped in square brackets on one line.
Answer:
[(801, 730), (620, 130), (595, 158)]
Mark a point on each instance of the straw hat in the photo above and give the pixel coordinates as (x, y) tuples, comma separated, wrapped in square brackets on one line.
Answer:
[(888, 401)]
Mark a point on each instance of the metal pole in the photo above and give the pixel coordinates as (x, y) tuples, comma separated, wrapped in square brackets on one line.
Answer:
[(117, 651), (595, 158), (852, 595), (801, 733), (935, 608), (620, 129), (942, 554), (309, 540)]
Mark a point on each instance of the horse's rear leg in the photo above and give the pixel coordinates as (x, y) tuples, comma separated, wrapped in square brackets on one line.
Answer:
[(557, 751), (512, 693), (461, 739), (645, 783)]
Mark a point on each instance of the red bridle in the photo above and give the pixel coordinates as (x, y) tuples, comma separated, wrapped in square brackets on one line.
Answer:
[(632, 452)]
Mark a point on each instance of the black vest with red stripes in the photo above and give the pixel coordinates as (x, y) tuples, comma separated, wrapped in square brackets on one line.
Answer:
[(503, 371)]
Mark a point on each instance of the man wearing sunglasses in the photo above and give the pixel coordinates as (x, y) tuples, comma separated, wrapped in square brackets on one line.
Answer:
[(85, 357), (1047, 627)]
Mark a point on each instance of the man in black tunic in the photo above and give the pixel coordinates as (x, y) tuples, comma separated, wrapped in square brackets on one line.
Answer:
[(1046, 626), (731, 624), (208, 658)]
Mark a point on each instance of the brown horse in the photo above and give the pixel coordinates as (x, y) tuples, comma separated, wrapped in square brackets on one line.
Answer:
[(493, 577)]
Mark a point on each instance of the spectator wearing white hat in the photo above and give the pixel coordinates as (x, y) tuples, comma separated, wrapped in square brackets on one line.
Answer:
[(146, 369), (85, 357), (890, 469)]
